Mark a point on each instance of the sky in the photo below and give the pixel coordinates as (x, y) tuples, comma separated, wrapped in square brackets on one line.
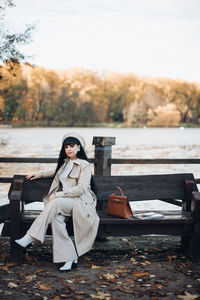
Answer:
[(156, 38)]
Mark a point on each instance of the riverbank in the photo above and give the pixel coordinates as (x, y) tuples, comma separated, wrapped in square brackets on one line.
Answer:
[(119, 268), (92, 125)]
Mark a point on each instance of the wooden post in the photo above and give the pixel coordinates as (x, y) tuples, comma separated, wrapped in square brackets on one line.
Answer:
[(189, 186), (103, 152), (194, 248)]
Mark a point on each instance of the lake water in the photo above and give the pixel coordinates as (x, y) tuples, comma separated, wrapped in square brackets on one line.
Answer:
[(130, 143)]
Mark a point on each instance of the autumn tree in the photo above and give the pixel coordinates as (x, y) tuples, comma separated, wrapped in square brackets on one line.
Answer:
[(36, 96), (10, 41), (163, 116)]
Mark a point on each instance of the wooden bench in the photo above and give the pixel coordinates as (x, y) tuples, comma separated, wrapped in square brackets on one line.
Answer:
[(178, 189)]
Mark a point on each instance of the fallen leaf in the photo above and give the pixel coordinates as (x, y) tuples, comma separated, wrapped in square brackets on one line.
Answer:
[(188, 296), (39, 271), (44, 286), (109, 276), (101, 295), (133, 253), (56, 298), (121, 271), (169, 258), (159, 286), (69, 281), (12, 285), (29, 278), (125, 240), (11, 264), (132, 259), (95, 267), (147, 285), (140, 274)]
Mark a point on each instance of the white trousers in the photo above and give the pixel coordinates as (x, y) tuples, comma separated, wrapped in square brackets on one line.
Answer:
[(54, 213)]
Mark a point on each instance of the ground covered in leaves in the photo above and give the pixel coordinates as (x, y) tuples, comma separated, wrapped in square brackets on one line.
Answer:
[(118, 268)]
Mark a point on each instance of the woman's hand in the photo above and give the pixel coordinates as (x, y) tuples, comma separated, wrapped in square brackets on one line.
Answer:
[(31, 177)]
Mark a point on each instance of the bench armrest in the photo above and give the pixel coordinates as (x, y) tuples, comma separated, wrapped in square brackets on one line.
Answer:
[(16, 205), (189, 186), (16, 196), (16, 189), (195, 206), (16, 201)]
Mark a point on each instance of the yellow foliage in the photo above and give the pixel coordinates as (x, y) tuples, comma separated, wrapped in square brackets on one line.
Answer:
[(35, 95), (164, 116)]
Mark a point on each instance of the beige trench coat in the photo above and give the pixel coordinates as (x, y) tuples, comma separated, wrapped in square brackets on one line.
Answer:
[(85, 218)]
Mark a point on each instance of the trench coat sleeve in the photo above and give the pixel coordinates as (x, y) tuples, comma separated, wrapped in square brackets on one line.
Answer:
[(81, 187), (44, 174)]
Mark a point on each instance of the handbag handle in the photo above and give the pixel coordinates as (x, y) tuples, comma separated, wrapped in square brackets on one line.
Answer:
[(118, 188)]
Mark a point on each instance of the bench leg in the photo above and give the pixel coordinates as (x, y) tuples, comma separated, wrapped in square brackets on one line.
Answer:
[(194, 247), (185, 243), (16, 251)]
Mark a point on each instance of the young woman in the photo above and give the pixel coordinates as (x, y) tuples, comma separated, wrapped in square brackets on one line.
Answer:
[(70, 194)]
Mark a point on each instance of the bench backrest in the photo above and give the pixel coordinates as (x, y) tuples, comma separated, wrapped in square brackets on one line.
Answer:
[(143, 187), (33, 190)]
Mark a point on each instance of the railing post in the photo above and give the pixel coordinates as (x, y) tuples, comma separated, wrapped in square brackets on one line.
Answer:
[(102, 153)]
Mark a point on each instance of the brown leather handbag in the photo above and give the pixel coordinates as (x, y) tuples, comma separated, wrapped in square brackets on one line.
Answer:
[(118, 205)]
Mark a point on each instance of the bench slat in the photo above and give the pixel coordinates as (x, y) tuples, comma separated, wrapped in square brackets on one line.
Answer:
[(143, 187), (171, 217)]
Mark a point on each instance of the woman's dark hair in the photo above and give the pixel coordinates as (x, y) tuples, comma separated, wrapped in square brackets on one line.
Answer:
[(62, 156)]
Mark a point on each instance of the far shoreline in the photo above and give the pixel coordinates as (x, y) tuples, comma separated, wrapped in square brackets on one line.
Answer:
[(92, 125)]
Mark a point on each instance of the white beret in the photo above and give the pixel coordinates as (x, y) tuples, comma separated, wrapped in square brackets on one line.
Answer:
[(77, 136)]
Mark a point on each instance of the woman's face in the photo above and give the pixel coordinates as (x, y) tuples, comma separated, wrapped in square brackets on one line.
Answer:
[(71, 150)]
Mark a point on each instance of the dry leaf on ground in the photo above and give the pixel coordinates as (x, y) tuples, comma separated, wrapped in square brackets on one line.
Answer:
[(39, 271), (121, 271), (101, 295), (44, 286), (95, 267), (109, 276), (159, 286), (139, 274), (29, 278), (12, 285), (188, 296)]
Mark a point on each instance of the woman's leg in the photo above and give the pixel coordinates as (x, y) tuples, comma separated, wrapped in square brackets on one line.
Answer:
[(39, 227), (63, 247)]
